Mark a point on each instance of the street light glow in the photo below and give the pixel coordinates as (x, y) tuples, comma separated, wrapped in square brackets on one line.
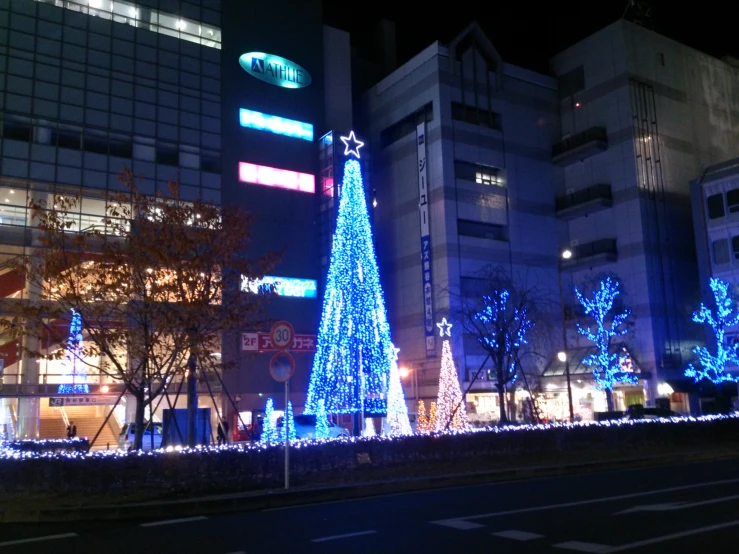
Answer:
[(404, 372), (566, 254), (562, 356)]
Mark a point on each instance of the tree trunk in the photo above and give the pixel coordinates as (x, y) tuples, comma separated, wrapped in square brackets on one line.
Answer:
[(501, 396), (192, 400), (609, 399), (512, 415), (139, 419)]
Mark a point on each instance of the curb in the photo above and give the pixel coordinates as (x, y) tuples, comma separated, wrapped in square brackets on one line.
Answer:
[(274, 499)]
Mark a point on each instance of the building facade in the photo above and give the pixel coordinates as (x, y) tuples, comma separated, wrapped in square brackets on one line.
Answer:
[(199, 91), (464, 183), (640, 116)]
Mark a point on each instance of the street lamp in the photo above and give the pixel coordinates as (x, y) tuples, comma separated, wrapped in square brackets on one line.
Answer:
[(405, 372), (562, 356)]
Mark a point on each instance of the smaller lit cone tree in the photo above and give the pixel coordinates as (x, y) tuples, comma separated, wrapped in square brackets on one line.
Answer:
[(397, 409), (422, 420), (433, 417), (268, 426), (452, 413), (288, 421)]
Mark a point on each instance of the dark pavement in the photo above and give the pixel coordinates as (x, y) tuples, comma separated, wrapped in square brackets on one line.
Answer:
[(681, 508)]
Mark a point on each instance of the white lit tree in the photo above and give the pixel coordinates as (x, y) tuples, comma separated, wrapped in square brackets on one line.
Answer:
[(321, 421), (713, 368), (451, 412), (269, 433), (397, 410)]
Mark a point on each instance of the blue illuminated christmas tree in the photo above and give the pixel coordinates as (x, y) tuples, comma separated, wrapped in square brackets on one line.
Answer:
[(713, 367), (269, 433), (74, 368), (288, 420), (353, 353), (606, 365)]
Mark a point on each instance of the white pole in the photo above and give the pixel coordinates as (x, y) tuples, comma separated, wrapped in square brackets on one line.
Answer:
[(287, 436)]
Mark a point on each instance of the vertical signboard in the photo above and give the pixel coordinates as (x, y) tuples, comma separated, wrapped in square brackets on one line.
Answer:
[(423, 204)]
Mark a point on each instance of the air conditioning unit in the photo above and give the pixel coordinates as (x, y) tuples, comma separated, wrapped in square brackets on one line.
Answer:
[(574, 242)]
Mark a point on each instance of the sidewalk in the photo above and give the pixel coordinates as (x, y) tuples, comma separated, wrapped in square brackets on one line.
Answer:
[(270, 499)]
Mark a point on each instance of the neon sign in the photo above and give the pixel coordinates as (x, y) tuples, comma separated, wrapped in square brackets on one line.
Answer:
[(273, 177), (283, 286), (275, 124), (275, 70)]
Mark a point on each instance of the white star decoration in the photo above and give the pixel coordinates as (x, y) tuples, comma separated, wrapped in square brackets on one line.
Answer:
[(355, 144), (444, 327), (394, 352)]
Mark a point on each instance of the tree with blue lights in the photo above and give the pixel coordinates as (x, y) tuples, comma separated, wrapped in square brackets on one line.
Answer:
[(606, 365), (75, 368), (269, 433), (289, 421), (713, 368), (353, 353), (321, 421)]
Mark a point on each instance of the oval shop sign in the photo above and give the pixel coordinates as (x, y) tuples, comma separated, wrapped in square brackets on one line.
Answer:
[(275, 70)]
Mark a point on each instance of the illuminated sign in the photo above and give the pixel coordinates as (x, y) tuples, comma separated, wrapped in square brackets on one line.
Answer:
[(275, 70), (273, 177), (283, 286), (351, 145), (275, 124)]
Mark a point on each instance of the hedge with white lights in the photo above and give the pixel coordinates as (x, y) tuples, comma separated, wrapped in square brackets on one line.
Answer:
[(207, 470)]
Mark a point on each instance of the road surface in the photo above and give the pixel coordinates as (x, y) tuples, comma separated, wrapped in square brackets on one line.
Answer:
[(681, 508)]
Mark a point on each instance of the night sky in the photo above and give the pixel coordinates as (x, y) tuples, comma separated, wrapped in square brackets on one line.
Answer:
[(528, 33)]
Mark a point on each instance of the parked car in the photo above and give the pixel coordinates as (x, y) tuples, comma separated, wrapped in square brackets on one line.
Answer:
[(305, 427), (128, 434)]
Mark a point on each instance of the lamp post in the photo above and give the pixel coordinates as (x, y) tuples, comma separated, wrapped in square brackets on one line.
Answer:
[(564, 356)]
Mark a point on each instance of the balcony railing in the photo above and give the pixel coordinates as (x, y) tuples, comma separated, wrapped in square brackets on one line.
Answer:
[(584, 202), (593, 253), (580, 146)]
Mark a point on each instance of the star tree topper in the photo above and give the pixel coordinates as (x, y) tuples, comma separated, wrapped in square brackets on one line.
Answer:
[(351, 144), (444, 328), (394, 352)]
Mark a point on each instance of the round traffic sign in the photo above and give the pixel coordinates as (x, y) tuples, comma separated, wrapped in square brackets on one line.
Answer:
[(282, 334), (282, 366)]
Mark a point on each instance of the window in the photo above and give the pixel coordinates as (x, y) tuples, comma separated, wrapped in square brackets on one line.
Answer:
[(94, 141), (406, 126), (210, 162), (481, 174), (721, 251), (475, 116), (481, 230), (735, 247), (16, 128), (571, 82), (715, 204), (732, 201), (69, 137), (167, 155)]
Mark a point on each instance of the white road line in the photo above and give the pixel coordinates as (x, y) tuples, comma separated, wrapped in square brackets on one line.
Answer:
[(448, 522), (346, 536), (583, 546), (37, 539), (459, 524), (673, 536), (171, 521), (517, 535)]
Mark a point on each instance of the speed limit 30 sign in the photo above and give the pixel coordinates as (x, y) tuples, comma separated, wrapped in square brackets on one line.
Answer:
[(282, 334)]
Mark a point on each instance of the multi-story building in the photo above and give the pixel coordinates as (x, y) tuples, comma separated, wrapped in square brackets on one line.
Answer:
[(640, 116), (198, 90), (467, 138)]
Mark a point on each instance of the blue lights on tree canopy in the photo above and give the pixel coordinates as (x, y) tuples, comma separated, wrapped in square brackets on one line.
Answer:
[(269, 432), (606, 365), (354, 351), (275, 124), (713, 368)]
